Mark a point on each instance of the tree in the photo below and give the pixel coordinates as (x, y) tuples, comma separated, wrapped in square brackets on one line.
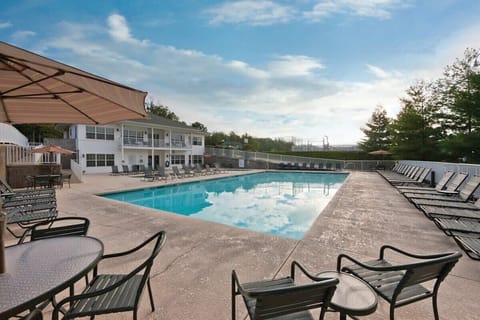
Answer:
[(415, 132), (199, 126), (376, 131), (37, 132), (162, 111)]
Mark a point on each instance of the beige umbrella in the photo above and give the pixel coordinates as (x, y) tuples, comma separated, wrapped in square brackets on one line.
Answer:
[(380, 152), (35, 89), (51, 148)]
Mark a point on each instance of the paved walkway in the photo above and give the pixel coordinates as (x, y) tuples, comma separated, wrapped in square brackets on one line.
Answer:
[(191, 277)]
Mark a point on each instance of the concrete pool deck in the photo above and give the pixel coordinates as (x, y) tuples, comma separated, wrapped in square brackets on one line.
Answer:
[(191, 276)]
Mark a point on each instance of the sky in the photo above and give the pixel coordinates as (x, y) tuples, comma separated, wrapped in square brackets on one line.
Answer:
[(309, 69)]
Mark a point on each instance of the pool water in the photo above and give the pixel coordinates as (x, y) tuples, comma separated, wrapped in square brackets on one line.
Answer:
[(279, 203)]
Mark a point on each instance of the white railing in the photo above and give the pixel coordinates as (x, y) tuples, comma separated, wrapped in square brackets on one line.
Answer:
[(10, 135), (24, 155)]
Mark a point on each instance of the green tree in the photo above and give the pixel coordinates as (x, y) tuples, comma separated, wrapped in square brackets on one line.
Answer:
[(415, 132), (37, 132), (377, 135), (162, 111), (200, 126)]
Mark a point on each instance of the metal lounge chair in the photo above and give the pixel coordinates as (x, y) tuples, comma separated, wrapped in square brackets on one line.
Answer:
[(115, 171), (455, 226), (30, 207), (451, 189), (149, 175), (35, 314), (112, 293), (402, 284), (468, 211), (5, 188), (471, 245), (284, 298), (418, 178), (443, 200), (442, 184), (125, 169)]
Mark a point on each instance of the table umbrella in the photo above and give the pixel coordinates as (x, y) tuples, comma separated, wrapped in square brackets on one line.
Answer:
[(51, 148), (380, 152), (36, 89)]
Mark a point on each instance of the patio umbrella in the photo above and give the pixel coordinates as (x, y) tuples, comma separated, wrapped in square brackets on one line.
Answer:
[(35, 89), (51, 148), (380, 152)]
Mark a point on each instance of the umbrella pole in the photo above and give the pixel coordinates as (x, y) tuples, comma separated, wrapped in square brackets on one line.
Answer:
[(3, 221)]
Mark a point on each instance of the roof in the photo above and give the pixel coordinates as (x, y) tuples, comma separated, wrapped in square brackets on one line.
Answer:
[(157, 120)]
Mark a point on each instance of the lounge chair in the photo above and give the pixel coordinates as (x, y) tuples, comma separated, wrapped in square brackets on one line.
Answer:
[(451, 189), (199, 170), (115, 171), (452, 226), (439, 187), (113, 293), (418, 178), (208, 170), (176, 173), (471, 245), (468, 211), (160, 174), (149, 175), (30, 207), (125, 169), (284, 298), (401, 284), (445, 200), (5, 188), (188, 171)]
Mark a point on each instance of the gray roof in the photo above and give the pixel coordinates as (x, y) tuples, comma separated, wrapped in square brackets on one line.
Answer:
[(154, 119)]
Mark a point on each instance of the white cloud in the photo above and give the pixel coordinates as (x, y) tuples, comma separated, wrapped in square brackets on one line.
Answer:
[(294, 66), (254, 12), (119, 30), (377, 71), (22, 35), (381, 9), (4, 25)]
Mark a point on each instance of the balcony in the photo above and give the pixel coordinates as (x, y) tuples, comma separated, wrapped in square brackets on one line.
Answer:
[(157, 144)]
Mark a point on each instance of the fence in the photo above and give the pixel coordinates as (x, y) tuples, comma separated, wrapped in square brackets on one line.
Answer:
[(270, 158), (19, 155)]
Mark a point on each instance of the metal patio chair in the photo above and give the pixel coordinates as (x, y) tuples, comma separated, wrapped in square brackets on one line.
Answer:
[(274, 299), (401, 284), (112, 293)]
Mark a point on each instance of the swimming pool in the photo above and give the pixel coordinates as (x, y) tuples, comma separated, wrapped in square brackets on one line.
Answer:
[(278, 203)]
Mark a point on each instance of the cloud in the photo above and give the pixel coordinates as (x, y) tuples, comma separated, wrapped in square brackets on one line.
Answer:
[(378, 72), (22, 35), (294, 66), (4, 25), (381, 9), (252, 12), (119, 30)]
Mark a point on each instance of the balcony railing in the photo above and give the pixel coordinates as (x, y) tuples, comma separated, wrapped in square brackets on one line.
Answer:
[(140, 143)]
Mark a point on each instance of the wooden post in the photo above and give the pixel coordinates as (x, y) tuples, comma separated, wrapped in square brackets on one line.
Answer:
[(3, 222)]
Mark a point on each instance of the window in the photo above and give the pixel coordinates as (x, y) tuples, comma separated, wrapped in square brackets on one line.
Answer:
[(178, 159), (178, 141), (197, 141), (196, 158), (132, 137), (100, 160), (99, 133)]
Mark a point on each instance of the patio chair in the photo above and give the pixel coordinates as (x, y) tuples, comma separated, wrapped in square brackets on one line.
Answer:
[(5, 188), (149, 175), (445, 200), (65, 178), (418, 178), (208, 170), (471, 245), (36, 314), (455, 226), (113, 293), (60, 227), (30, 207), (401, 284), (468, 211), (451, 189), (115, 171), (125, 169), (438, 187), (176, 173), (274, 299)]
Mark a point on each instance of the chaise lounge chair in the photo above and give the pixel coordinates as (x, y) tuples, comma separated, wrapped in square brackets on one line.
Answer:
[(471, 245), (402, 284), (451, 189), (445, 200), (468, 211), (441, 185)]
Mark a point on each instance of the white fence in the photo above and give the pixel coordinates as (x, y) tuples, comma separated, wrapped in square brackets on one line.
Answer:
[(24, 155)]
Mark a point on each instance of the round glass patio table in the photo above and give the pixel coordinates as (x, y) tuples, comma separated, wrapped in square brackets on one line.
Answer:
[(38, 270), (353, 296)]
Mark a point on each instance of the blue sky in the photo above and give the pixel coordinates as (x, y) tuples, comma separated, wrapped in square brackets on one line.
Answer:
[(305, 68)]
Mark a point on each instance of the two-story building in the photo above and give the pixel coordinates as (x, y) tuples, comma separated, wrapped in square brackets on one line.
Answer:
[(153, 141)]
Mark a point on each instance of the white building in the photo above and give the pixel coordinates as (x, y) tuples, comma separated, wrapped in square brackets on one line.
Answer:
[(154, 141)]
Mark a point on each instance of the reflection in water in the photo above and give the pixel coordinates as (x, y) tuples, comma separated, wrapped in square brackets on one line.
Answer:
[(279, 203)]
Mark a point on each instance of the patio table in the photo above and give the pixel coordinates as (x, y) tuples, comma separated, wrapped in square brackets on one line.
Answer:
[(353, 297), (46, 180), (38, 270)]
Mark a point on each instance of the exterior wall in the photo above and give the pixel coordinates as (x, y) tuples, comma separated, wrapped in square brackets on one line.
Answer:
[(136, 152)]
